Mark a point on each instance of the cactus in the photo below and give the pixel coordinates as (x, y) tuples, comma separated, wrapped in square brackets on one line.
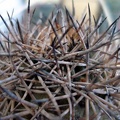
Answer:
[(62, 70)]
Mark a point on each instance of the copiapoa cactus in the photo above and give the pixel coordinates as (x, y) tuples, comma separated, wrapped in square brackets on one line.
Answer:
[(62, 70)]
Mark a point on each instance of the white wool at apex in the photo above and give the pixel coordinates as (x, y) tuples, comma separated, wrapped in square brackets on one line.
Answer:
[(13, 7)]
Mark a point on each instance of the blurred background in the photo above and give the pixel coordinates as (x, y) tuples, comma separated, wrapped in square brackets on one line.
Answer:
[(17, 9)]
